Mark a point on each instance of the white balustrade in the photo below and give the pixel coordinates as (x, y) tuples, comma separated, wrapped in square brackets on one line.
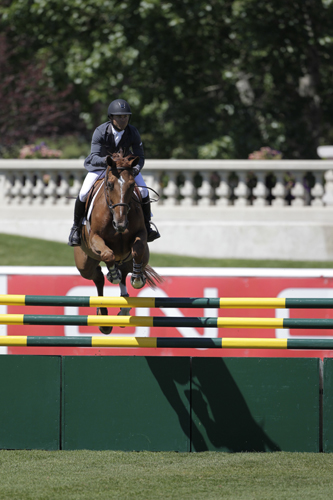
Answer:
[(260, 191), (223, 182), (187, 191), (205, 190), (223, 191), (298, 191), (242, 190)]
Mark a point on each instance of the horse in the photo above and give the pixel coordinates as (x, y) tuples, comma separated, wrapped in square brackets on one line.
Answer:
[(115, 233)]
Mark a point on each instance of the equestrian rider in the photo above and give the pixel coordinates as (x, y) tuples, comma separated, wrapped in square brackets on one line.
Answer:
[(107, 139)]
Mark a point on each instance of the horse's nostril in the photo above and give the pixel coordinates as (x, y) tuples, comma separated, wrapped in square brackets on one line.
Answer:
[(121, 227)]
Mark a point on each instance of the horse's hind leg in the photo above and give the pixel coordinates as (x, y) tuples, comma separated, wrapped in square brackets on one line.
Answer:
[(140, 254), (91, 270)]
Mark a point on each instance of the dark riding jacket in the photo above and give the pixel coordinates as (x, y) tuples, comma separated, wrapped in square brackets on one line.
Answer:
[(103, 145)]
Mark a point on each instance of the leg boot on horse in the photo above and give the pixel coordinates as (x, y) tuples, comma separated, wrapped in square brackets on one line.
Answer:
[(74, 239), (152, 234)]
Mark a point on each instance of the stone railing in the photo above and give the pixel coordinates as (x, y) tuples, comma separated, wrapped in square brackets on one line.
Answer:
[(181, 182)]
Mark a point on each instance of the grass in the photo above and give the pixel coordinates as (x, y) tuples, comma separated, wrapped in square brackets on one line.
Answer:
[(144, 475), (21, 251)]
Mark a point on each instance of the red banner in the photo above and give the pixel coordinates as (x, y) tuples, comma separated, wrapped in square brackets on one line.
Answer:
[(178, 283)]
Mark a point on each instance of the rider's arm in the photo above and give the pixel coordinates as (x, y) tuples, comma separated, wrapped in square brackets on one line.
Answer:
[(98, 153), (137, 147)]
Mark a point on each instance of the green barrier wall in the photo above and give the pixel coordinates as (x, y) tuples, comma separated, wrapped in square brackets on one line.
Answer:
[(30, 402), (158, 404), (126, 403), (255, 404)]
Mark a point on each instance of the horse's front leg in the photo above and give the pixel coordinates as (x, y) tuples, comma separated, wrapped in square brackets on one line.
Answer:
[(106, 255), (140, 254), (91, 270)]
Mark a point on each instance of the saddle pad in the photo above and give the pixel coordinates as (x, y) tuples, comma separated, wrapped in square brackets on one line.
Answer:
[(86, 220)]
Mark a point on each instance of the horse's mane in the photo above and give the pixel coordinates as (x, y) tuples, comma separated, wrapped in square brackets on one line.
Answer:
[(121, 160)]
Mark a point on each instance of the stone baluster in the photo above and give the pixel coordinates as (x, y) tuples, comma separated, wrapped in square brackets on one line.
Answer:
[(27, 188), (328, 196), (38, 188), (152, 181), (279, 190), (298, 190), (260, 191), (77, 183), (241, 191), (223, 190), (171, 190), (63, 188), (8, 180), (317, 191), (50, 190), (187, 190), (205, 191)]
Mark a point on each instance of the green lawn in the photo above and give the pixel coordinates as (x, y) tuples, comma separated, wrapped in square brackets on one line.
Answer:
[(20, 251), (93, 475)]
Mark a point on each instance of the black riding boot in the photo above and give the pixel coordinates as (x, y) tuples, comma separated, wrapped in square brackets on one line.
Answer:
[(152, 234), (74, 239)]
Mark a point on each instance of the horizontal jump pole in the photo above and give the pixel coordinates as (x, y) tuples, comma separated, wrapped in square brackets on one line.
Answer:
[(164, 302), (150, 321), (167, 342)]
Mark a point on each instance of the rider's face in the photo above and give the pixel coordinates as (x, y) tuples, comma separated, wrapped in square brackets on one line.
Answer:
[(120, 122)]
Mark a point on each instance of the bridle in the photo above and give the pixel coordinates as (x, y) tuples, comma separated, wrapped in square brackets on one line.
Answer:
[(111, 205)]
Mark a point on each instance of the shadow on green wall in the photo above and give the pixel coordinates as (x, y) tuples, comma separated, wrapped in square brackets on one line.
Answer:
[(219, 416)]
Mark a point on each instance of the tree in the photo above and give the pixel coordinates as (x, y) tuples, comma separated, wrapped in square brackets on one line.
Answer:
[(215, 78), (30, 105)]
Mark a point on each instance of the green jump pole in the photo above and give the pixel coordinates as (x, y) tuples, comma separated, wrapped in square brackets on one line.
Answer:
[(165, 302), (149, 321)]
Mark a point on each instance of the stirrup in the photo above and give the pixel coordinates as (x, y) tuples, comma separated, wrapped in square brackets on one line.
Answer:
[(153, 234), (74, 239)]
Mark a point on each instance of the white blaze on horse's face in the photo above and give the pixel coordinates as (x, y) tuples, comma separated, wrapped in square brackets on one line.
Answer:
[(122, 185), (120, 204)]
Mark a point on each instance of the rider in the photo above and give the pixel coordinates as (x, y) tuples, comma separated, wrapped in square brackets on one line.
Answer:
[(107, 139)]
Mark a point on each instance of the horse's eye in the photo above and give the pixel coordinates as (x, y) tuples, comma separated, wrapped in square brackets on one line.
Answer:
[(110, 185)]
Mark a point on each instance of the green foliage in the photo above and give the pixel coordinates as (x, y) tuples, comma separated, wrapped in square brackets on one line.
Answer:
[(214, 79)]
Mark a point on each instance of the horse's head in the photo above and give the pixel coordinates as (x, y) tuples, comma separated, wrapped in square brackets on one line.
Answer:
[(119, 187)]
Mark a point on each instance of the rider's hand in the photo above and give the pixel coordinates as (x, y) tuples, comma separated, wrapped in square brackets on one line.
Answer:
[(136, 171)]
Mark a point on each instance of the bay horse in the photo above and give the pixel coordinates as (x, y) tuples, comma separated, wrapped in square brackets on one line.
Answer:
[(115, 233)]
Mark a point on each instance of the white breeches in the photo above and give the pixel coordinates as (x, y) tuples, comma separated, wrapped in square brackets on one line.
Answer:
[(91, 177)]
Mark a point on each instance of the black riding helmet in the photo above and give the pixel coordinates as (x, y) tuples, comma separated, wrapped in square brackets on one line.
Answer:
[(119, 107)]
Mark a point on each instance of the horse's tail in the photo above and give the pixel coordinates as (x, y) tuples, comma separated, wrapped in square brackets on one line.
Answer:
[(153, 278)]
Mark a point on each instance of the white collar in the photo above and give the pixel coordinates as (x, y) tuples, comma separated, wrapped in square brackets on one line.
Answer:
[(115, 132)]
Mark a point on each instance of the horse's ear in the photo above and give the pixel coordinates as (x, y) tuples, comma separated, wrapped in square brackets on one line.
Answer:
[(110, 161), (135, 161)]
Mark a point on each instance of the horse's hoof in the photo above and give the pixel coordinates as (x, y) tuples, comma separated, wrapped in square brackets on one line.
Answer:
[(114, 276), (106, 330), (124, 311), (138, 282)]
